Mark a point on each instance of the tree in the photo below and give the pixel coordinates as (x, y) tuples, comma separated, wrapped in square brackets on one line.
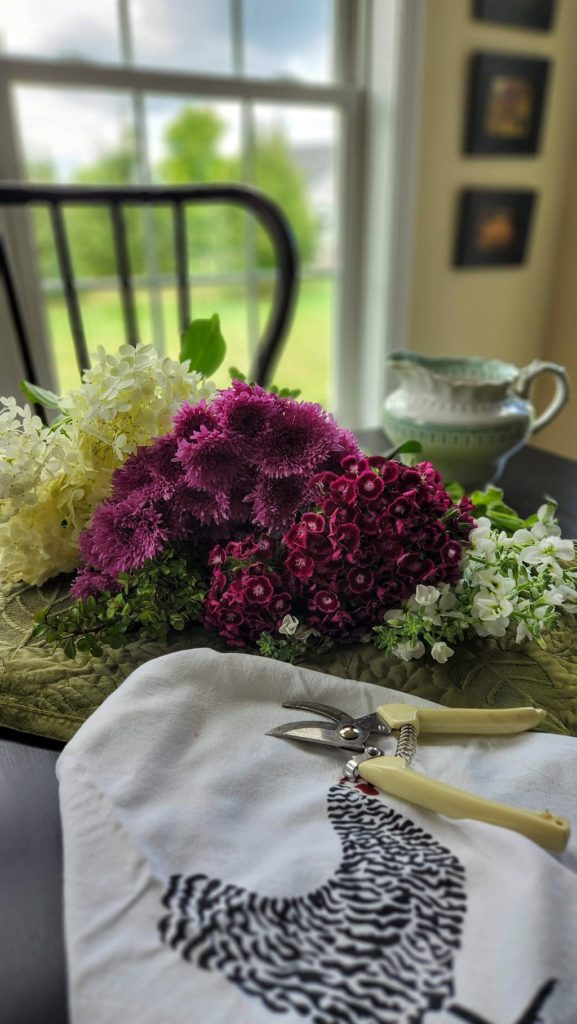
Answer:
[(193, 142)]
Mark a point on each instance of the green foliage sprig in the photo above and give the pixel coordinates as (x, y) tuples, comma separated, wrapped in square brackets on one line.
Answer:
[(292, 649), (166, 594), (490, 503)]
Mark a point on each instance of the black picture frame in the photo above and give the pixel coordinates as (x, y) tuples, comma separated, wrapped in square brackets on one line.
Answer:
[(494, 227), (506, 103), (533, 14)]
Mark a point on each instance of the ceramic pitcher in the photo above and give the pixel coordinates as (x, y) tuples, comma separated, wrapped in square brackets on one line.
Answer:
[(470, 414)]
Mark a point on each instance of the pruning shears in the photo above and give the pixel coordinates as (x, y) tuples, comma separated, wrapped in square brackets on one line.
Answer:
[(393, 773)]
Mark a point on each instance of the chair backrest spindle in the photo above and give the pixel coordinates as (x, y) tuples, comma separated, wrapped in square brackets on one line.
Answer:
[(116, 198), (69, 284), (124, 274), (181, 262)]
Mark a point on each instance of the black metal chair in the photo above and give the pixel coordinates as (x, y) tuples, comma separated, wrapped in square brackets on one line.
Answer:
[(118, 198)]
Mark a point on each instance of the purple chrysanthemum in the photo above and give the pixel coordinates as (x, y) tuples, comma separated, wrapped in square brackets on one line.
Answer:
[(124, 535), (243, 412), (91, 583), (190, 418), (276, 501), (300, 436), (191, 507), (152, 470), (209, 460)]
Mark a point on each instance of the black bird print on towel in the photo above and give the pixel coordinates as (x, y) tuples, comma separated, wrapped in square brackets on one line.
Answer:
[(375, 944)]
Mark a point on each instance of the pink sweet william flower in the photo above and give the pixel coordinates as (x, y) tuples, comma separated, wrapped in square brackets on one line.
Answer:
[(259, 590), (244, 602), (343, 490), (360, 581), (354, 464), (313, 522), (370, 486), (451, 552), (319, 547), (346, 537), (300, 565), (325, 601)]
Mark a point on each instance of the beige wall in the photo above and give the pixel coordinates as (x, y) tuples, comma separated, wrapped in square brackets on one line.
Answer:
[(516, 313)]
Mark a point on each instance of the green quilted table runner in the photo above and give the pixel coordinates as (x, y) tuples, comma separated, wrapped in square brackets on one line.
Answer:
[(45, 693)]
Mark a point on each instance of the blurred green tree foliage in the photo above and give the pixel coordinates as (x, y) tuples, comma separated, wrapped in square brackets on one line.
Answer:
[(217, 234)]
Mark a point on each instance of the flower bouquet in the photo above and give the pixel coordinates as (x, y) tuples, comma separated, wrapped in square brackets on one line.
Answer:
[(259, 517)]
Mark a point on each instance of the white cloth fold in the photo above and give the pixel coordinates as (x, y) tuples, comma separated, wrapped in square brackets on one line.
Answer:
[(214, 873)]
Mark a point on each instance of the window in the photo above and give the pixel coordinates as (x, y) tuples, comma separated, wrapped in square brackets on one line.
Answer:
[(260, 91)]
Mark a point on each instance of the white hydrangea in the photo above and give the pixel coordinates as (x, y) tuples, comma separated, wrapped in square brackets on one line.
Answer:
[(52, 479)]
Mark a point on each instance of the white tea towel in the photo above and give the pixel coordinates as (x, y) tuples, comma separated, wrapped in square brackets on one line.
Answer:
[(214, 874)]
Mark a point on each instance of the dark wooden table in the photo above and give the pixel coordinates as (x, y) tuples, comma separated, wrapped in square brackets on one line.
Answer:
[(32, 971)]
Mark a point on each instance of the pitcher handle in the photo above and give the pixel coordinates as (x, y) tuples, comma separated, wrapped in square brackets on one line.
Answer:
[(562, 389)]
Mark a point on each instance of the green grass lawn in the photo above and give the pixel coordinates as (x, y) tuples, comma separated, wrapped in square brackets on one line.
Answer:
[(304, 362)]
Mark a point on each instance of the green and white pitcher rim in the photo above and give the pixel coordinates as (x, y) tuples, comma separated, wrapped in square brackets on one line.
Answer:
[(459, 369), (500, 428)]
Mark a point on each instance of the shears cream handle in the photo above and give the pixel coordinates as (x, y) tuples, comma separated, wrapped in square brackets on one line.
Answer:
[(392, 774), (476, 721)]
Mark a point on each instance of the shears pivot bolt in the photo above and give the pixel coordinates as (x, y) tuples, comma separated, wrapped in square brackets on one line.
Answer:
[(349, 732)]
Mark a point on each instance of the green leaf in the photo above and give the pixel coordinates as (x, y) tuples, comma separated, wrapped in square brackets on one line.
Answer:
[(203, 345), (289, 392), (405, 448), (235, 373), (70, 649), (455, 491), (40, 396)]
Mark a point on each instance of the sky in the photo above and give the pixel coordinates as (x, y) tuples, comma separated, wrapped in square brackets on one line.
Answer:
[(286, 38)]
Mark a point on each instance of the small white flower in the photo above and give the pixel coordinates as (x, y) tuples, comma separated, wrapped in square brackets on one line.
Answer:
[(491, 607), (523, 537), (289, 625), (548, 551), (441, 652), (523, 633), (448, 601), (407, 651), (395, 616), (497, 584), (426, 596), (495, 628)]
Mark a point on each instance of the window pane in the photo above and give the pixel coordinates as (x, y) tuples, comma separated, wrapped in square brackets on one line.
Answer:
[(183, 36), (76, 135), (60, 29), (306, 357), (103, 324), (296, 164), (288, 40)]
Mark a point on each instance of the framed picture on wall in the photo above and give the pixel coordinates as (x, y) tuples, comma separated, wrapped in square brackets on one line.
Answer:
[(493, 228), (506, 101), (536, 14)]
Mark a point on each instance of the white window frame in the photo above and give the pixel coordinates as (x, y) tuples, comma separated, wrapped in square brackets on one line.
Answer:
[(379, 56)]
